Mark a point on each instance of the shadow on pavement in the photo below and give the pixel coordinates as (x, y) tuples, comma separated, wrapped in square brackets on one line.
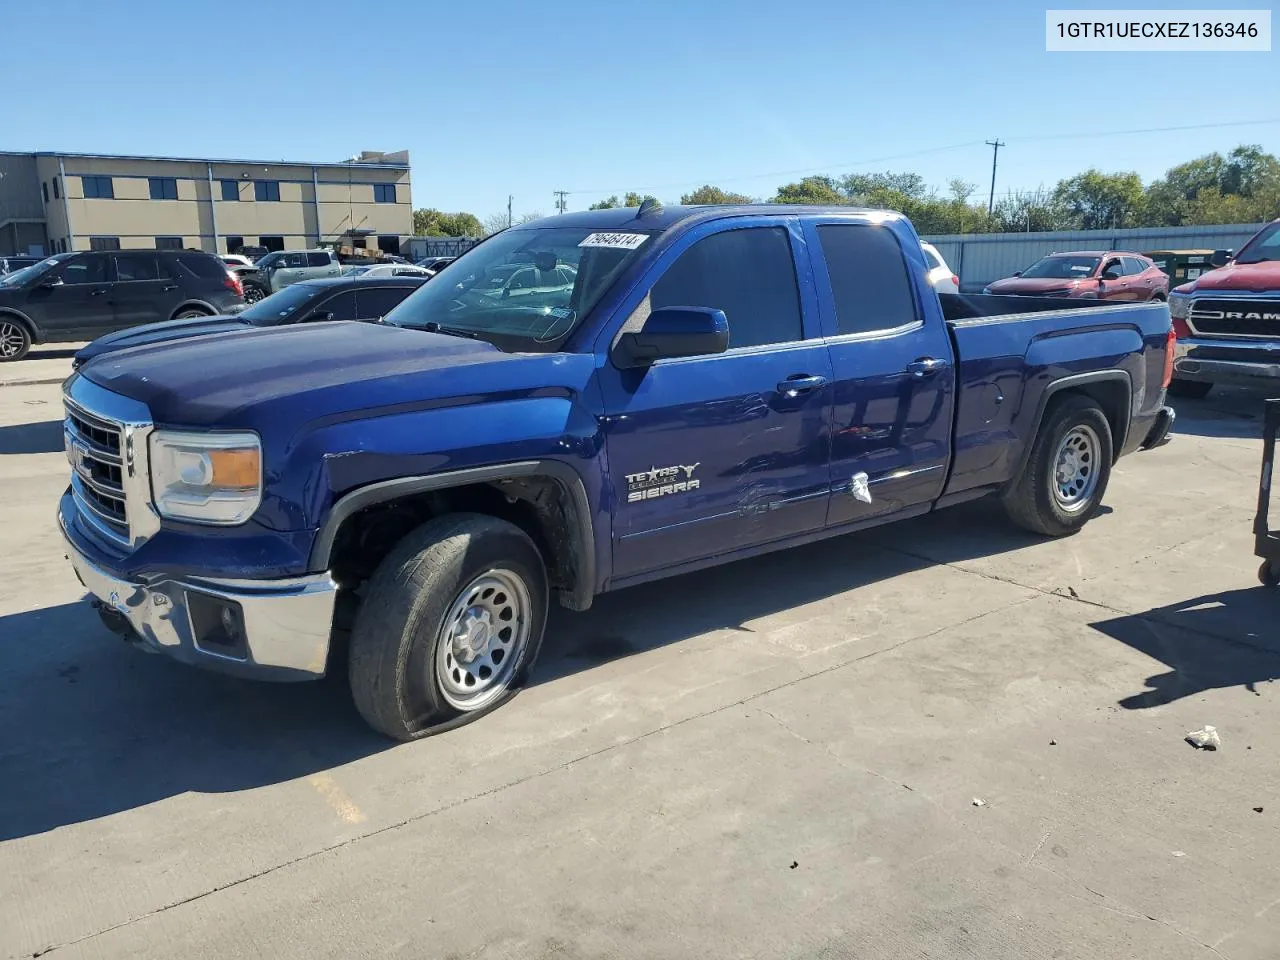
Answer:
[(53, 353), (44, 437), (93, 727), (1229, 412), (1215, 641)]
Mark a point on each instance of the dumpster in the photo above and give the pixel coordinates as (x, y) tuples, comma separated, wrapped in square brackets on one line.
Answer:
[(1182, 266)]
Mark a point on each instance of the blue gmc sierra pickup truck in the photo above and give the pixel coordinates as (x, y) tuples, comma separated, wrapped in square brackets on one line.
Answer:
[(577, 404)]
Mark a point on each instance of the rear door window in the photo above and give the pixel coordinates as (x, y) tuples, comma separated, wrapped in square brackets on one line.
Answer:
[(1132, 266), (378, 302), (343, 306), (137, 266), (869, 281), (749, 273), (318, 259)]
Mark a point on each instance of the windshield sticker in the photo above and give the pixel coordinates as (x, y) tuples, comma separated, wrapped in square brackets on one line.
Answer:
[(1080, 268), (615, 241)]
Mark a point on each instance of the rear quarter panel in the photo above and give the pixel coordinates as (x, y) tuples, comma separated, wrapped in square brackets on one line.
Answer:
[(1008, 366)]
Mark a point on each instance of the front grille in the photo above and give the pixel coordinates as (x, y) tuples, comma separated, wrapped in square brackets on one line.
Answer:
[(1236, 318), (95, 450)]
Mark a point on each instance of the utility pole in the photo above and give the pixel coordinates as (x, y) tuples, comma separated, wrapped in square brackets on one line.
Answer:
[(995, 154), (509, 199), (562, 204)]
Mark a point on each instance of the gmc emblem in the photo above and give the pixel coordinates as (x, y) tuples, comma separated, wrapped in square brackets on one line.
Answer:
[(1234, 315)]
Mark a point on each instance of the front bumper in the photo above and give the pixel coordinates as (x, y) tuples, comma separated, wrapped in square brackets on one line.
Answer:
[(1227, 361), (280, 629)]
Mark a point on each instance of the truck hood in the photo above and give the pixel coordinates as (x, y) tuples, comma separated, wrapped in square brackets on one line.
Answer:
[(276, 378), (1022, 286), (165, 331), (1254, 277)]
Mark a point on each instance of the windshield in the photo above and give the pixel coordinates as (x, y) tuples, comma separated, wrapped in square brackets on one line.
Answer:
[(523, 289), (1061, 268), (270, 260), (279, 307), (19, 277), (1265, 246)]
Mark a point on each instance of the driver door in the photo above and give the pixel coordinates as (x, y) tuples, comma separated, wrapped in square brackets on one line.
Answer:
[(1114, 285), (74, 301)]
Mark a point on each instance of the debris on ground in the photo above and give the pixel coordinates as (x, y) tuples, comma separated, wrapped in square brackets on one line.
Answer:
[(1072, 591), (1257, 809), (1053, 743), (1178, 853), (979, 802), (794, 864), (1205, 739)]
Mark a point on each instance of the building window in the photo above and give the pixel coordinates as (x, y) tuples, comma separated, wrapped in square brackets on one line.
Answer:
[(56, 194), (104, 243), (230, 190), (266, 190), (389, 244), (163, 188), (271, 243), (44, 189), (168, 243), (384, 193), (98, 188), (234, 243)]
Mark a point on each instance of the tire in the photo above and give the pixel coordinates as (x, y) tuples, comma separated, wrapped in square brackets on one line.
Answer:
[(408, 673), (15, 339), (1269, 574), (1189, 389), (190, 313), (253, 292), (1074, 438)]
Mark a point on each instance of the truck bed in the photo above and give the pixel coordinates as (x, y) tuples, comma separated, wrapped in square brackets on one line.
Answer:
[(1009, 348)]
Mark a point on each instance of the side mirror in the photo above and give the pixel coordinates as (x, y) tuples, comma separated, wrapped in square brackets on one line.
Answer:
[(320, 316), (50, 284), (1017, 273), (1220, 258), (674, 332)]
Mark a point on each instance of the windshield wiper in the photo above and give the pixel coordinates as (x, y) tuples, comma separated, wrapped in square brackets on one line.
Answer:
[(433, 326)]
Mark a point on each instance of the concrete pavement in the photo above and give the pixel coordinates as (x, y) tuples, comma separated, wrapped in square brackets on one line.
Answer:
[(776, 758)]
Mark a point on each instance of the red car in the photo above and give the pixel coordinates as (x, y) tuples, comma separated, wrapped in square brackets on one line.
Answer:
[(1088, 275)]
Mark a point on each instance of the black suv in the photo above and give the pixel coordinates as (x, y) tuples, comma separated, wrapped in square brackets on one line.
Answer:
[(81, 296), (308, 301)]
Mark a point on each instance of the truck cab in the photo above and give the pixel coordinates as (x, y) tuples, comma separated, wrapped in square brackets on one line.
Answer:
[(675, 388)]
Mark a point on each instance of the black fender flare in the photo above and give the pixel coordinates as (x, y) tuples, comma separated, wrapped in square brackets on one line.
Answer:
[(582, 528), (188, 304), (26, 321), (1067, 383)]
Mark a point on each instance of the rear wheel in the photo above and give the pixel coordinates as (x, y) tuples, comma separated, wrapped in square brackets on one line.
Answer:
[(449, 626), (1189, 389), (253, 292), (15, 340), (190, 313), (1062, 484)]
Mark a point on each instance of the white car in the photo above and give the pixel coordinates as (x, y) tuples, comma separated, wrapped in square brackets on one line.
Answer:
[(940, 276), (386, 270), (282, 267), (236, 260)]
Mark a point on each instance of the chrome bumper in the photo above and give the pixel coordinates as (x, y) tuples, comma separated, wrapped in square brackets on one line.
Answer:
[(1221, 367), (280, 629)]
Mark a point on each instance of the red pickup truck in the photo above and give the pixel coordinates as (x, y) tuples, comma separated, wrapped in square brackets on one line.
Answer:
[(1227, 321)]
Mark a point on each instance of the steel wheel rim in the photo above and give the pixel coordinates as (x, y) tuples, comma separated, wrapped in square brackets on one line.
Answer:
[(483, 639), (11, 340), (1075, 469)]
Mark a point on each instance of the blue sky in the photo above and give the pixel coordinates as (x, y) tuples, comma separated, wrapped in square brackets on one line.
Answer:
[(495, 97)]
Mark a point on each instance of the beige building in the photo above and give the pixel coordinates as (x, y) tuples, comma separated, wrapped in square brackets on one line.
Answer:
[(55, 202)]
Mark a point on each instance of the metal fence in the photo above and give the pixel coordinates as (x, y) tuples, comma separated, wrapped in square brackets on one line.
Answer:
[(419, 247), (980, 258)]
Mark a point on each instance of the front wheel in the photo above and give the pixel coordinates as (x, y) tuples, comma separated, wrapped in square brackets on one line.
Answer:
[(252, 292), (449, 626), (1062, 484), (1269, 574), (15, 340), (190, 314)]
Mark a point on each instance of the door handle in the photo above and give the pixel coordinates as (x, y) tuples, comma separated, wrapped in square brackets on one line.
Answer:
[(925, 367), (172, 286), (800, 383), (96, 293)]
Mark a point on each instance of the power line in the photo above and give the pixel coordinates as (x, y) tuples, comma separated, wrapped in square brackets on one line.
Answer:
[(1031, 138)]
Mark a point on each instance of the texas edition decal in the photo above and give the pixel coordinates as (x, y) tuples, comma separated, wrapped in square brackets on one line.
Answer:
[(661, 482)]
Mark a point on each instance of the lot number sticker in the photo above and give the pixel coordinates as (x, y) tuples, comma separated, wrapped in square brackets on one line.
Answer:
[(616, 241)]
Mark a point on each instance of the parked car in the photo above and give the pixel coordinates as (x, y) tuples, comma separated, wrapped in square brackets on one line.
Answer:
[(386, 270), (278, 270), (940, 276), (432, 483), (254, 254), (1228, 320), (1088, 275), (236, 260), (435, 264), (81, 296), (12, 264), (309, 301)]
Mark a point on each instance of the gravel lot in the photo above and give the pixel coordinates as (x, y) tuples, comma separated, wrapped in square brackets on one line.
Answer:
[(778, 758)]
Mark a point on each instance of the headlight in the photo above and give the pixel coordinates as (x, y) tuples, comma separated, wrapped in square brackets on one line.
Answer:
[(206, 477)]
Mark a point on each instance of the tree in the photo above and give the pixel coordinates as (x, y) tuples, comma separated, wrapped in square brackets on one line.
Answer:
[(857, 186), (1030, 211), (495, 222), (428, 222), (528, 217), (632, 199), (707, 194), (1096, 200), (815, 189), (1211, 187), (607, 204)]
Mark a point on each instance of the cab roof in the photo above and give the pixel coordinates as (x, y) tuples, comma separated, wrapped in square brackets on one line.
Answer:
[(622, 218)]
